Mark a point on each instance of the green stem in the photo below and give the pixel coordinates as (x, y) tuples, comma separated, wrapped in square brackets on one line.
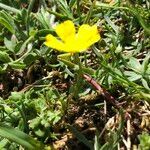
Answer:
[(57, 14), (25, 124), (87, 19), (28, 15), (23, 48), (78, 10), (99, 4), (73, 65), (78, 77), (127, 83)]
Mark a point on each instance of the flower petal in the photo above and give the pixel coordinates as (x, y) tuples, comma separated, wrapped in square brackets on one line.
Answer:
[(72, 42), (53, 42), (87, 35), (95, 37), (65, 30)]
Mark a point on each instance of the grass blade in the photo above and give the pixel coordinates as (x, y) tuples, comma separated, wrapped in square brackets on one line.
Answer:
[(19, 137), (80, 137)]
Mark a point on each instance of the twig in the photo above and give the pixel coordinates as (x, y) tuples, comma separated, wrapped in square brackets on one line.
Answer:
[(101, 90), (128, 134), (51, 74), (124, 141)]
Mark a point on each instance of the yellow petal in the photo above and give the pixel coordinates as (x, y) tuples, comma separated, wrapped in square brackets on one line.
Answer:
[(65, 30), (84, 29), (95, 36), (72, 42), (53, 42), (86, 36)]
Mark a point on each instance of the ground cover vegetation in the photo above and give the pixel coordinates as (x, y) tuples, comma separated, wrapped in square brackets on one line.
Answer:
[(61, 89)]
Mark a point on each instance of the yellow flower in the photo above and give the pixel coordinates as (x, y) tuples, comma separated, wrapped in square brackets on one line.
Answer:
[(70, 41)]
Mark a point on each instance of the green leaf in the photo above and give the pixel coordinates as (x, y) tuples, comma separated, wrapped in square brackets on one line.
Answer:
[(3, 6), (96, 143), (89, 14), (9, 44), (145, 63), (17, 65), (133, 76), (44, 18), (3, 69), (134, 64), (35, 122), (145, 84), (80, 137), (4, 57), (64, 8), (30, 58), (72, 3), (39, 132), (141, 20), (18, 46), (7, 25), (19, 137), (118, 49), (3, 143), (111, 24), (23, 47), (7, 21), (16, 96), (144, 141), (43, 32)]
